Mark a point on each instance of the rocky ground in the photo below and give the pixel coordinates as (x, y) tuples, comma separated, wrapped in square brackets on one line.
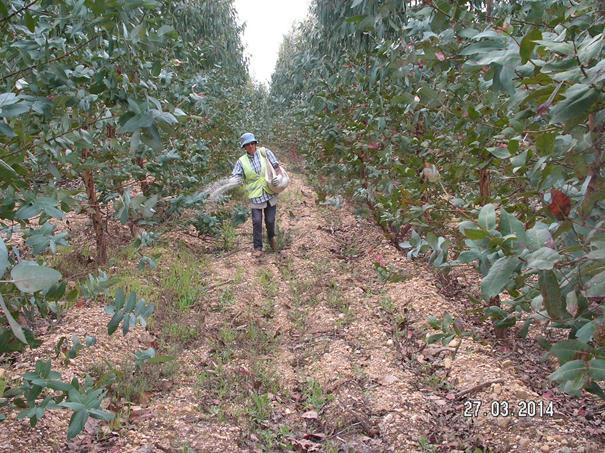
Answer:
[(320, 347)]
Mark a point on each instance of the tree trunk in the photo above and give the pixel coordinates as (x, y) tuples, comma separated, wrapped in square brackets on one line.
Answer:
[(95, 212), (143, 180), (484, 189), (489, 8), (594, 172), (499, 332)]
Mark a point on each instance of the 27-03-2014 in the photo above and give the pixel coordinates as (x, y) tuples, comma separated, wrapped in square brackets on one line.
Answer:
[(503, 408)]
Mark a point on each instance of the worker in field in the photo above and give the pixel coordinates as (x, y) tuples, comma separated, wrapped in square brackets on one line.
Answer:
[(251, 169)]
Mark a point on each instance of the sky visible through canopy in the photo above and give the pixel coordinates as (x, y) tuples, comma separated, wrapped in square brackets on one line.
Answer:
[(267, 21)]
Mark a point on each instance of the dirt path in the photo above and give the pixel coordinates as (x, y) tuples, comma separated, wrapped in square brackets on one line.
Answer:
[(314, 349)]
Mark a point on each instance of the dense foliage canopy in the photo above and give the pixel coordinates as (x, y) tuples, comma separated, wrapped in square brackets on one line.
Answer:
[(473, 123), (120, 109)]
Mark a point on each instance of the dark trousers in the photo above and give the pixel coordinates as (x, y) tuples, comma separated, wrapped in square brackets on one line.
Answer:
[(257, 225)]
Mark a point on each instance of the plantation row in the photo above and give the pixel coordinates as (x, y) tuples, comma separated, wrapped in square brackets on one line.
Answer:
[(121, 111), (473, 133)]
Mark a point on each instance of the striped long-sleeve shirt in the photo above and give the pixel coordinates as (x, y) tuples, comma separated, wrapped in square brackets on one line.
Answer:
[(238, 171)]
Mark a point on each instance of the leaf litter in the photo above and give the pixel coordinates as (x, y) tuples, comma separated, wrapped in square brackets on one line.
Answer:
[(319, 353)]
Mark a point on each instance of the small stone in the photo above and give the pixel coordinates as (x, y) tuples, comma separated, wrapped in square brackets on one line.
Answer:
[(389, 379), (454, 343), (524, 442), (503, 422), (390, 342), (545, 448), (507, 364), (447, 362), (497, 388)]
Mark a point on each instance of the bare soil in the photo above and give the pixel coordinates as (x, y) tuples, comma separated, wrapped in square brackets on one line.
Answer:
[(310, 349)]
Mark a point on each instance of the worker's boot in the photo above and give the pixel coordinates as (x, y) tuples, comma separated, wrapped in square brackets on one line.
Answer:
[(273, 244)]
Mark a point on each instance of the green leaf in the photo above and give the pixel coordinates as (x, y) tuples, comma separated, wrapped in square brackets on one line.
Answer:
[(551, 295), (528, 43), (545, 143), (6, 130), (30, 277), (565, 48), (587, 331), (569, 371), (499, 276), (114, 322), (568, 349), (3, 258), (14, 325), (139, 121), (598, 252), (475, 234), (596, 286), (590, 49), (525, 328), (538, 236), (543, 259), (596, 369), (500, 153), (77, 422), (509, 224), (487, 217), (156, 68), (30, 22), (579, 98)]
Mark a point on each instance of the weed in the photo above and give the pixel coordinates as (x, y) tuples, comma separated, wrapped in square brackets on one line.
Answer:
[(240, 273), (177, 332), (275, 440), (389, 273), (260, 407), (426, 445), (283, 238), (298, 317), (228, 236), (287, 269), (257, 339), (315, 396), (351, 250), (226, 298), (304, 292), (129, 383), (387, 304), (265, 376), (227, 335), (182, 280), (267, 282), (267, 309), (346, 317)]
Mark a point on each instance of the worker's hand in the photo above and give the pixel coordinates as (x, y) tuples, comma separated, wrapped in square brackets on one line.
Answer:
[(274, 181)]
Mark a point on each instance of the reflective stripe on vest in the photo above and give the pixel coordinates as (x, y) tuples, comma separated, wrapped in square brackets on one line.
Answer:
[(255, 183)]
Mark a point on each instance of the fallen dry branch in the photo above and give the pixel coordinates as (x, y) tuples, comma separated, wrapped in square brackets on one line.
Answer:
[(478, 387)]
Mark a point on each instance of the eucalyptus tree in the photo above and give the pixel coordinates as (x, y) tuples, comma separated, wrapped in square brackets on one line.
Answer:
[(488, 114), (93, 102)]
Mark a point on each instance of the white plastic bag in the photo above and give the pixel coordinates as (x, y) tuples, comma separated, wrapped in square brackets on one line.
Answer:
[(282, 179)]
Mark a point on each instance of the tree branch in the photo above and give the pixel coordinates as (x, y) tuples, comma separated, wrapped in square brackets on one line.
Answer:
[(7, 18), (60, 57)]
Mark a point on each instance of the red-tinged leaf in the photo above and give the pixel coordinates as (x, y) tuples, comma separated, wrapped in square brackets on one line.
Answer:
[(560, 204)]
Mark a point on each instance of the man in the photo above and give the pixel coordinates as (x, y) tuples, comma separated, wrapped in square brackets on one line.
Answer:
[(250, 169)]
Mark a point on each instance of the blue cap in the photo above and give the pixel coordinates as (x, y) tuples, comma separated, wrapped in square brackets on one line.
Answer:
[(246, 138)]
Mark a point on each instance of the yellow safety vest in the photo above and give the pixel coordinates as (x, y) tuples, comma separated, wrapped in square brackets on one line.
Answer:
[(255, 183)]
